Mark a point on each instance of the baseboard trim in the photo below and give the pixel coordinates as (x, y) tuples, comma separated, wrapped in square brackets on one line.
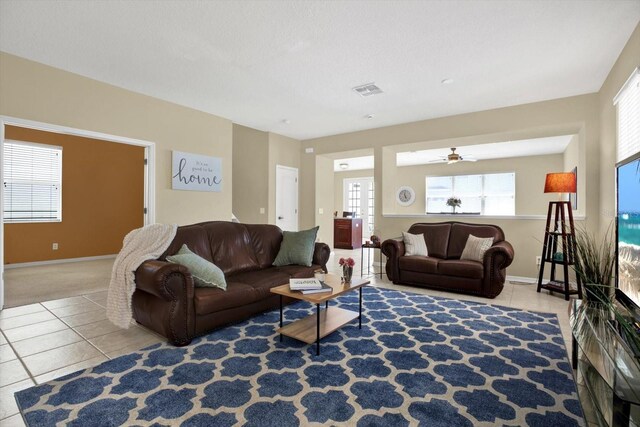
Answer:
[(522, 279), (57, 261)]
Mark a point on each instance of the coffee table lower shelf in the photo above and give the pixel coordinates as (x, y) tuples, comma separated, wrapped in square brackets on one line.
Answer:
[(331, 319)]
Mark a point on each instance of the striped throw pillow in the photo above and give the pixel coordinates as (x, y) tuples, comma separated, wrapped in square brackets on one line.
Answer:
[(476, 247), (414, 244)]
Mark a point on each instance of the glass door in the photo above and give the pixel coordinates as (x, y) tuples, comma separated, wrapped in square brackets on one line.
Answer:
[(359, 198)]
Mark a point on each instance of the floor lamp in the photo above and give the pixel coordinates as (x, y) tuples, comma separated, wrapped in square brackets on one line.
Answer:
[(559, 227)]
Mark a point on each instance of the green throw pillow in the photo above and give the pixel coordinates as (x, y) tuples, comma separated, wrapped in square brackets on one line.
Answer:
[(297, 248), (205, 274)]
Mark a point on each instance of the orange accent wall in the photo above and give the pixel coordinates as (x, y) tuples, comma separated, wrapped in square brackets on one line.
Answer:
[(102, 200)]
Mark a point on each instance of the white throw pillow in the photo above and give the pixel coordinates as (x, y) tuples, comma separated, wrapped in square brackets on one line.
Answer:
[(414, 244), (476, 247)]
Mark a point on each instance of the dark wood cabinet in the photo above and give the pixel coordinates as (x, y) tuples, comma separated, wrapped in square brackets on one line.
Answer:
[(347, 233)]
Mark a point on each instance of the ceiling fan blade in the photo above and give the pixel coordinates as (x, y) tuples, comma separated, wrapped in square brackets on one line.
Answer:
[(437, 161), (469, 160)]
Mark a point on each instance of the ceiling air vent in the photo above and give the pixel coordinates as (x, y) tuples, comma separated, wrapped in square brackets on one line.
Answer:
[(367, 89)]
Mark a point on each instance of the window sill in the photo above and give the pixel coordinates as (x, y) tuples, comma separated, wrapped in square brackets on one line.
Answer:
[(492, 217)]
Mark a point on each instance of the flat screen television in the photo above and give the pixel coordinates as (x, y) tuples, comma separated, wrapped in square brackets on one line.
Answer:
[(628, 233)]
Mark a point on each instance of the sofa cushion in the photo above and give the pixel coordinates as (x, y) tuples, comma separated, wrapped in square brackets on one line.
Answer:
[(231, 248), (211, 300), (419, 264), (298, 271), (205, 273), (242, 288), (297, 248), (195, 237), (414, 244), (461, 268), (265, 241), (476, 247), (262, 280), (436, 236), (460, 233)]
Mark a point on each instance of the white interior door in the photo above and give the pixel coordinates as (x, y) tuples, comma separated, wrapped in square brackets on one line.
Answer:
[(359, 198), (287, 198)]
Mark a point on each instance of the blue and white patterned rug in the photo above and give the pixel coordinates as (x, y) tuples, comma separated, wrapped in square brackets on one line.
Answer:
[(417, 360)]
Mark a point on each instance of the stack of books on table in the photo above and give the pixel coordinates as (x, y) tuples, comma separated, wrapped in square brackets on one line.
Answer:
[(309, 286)]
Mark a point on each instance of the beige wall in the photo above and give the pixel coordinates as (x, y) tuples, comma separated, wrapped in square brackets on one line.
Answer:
[(575, 115), (628, 60), (255, 157), (324, 199), (250, 167), (283, 151), (37, 92)]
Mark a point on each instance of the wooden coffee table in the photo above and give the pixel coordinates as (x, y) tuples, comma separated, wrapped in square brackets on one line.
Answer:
[(316, 326)]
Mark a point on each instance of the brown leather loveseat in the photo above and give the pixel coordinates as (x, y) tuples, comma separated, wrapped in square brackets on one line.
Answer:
[(443, 268), (166, 301)]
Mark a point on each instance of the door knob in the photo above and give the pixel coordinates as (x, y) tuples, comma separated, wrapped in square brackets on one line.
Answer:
[(280, 217)]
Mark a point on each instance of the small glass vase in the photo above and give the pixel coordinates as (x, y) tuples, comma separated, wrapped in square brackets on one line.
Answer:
[(347, 272)]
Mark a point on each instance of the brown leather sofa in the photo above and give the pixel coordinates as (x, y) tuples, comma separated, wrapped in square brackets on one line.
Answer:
[(443, 268), (166, 301)]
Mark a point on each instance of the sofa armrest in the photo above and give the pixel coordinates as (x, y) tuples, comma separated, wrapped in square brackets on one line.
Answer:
[(499, 255), (497, 258), (393, 249), (157, 278), (321, 255), (164, 300)]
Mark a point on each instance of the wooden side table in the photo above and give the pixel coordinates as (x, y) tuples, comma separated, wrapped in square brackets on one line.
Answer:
[(369, 246)]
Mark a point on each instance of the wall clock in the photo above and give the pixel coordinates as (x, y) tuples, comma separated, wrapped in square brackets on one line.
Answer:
[(405, 196)]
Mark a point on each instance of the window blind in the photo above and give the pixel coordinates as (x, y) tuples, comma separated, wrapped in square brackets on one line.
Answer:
[(628, 106), (32, 179)]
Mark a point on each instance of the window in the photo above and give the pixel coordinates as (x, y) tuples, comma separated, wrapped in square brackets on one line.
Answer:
[(32, 182), (359, 198), (488, 194), (627, 102)]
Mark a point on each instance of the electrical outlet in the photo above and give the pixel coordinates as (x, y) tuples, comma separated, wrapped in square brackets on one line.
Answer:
[(54, 246), (320, 211), (538, 260), (262, 211)]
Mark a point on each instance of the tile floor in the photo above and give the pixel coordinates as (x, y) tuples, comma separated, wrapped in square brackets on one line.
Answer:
[(39, 342)]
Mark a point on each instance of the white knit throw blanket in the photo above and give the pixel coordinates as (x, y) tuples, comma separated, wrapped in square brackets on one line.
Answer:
[(139, 245)]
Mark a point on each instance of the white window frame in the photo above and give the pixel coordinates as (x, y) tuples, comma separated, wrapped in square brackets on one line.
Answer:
[(58, 182), (482, 197), (627, 102)]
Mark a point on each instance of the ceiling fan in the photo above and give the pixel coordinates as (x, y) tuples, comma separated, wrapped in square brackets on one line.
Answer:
[(453, 157)]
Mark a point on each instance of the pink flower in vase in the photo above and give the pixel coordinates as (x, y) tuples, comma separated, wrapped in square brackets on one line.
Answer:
[(349, 262)]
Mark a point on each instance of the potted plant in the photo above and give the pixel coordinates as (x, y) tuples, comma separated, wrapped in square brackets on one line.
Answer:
[(594, 263), (454, 202)]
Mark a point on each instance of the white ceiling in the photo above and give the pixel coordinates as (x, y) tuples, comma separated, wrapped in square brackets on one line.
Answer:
[(258, 63), (495, 150)]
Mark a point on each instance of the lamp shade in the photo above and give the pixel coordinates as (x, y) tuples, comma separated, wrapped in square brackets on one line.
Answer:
[(560, 182)]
